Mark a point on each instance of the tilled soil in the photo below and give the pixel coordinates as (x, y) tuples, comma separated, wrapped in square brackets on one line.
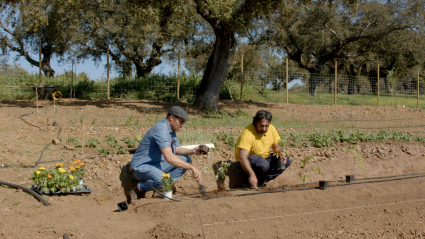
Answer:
[(287, 208)]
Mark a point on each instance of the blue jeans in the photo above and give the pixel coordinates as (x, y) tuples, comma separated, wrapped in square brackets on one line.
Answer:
[(265, 168), (150, 176)]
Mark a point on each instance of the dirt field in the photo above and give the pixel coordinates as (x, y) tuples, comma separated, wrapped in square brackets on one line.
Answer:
[(389, 209)]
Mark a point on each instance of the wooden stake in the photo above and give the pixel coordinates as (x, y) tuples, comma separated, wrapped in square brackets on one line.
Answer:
[(378, 87), (287, 80), (178, 78), (242, 78), (336, 82), (418, 90), (107, 73)]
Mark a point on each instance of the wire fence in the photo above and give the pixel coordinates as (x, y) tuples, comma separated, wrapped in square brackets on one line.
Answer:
[(85, 81)]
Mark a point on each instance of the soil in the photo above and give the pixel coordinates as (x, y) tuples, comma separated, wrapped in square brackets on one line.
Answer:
[(286, 208)]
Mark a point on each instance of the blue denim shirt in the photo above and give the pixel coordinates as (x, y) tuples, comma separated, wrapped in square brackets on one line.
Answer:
[(157, 138)]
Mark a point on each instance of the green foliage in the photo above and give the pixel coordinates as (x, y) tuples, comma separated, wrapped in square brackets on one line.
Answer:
[(55, 179), (227, 139), (92, 142), (75, 141), (103, 151), (221, 169), (120, 150), (131, 143), (167, 183), (357, 157), (307, 171), (111, 140), (321, 140)]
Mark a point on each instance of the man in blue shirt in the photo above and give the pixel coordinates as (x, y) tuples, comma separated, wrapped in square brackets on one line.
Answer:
[(159, 152)]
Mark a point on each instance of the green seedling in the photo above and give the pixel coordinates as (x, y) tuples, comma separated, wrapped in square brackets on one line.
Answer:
[(357, 157), (307, 170), (227, 139), (92, 142), (222, 168), (75, 141), (131, 143), (103, 151)]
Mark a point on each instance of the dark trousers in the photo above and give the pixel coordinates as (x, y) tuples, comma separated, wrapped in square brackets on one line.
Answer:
[(266, 168)]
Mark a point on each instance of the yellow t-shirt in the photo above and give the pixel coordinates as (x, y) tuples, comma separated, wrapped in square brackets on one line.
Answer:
[(256, 143)]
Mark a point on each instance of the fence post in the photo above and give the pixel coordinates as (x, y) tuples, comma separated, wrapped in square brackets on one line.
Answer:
[(378, 87), (242, 78), (178, 78), (107, 73), (336, 82), (418, 90), (287, 79), (39, 64)]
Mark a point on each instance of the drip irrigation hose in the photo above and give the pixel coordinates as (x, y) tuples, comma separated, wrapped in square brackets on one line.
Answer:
[(165, 196), (36, 195), (20, 117), (38, 161), (388, 178)]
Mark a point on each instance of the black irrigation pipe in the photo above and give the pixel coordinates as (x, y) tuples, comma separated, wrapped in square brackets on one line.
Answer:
[(165, 196), (41, 155), (36, 195), (400, 177), (20, 117)]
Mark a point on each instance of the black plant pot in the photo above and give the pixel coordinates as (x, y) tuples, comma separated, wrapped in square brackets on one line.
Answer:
[(122, 206), (349, 178), (323, 185)]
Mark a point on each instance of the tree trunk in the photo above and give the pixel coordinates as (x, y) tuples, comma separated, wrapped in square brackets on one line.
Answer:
[(218, 66), (313, 83)]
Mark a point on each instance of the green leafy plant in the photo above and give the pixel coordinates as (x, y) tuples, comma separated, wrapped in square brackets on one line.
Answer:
[(57, 179), (75, 141), (111, 140), (167, 183), (307, 170), (227, 139), (120, 150), (103, 151), (92, 142), (131, 143), (221, 169), (129, 120), (357, 157)]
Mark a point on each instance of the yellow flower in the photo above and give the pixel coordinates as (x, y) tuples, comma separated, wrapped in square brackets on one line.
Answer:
[(70, 176), (59, 165), (76, 161), (42, 169), (82, 164), (166, 175), (38, 172), (49, 176), (61, 170), (77, 166), (72, 168)]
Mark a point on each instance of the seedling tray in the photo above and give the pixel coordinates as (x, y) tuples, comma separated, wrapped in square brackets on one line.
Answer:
[(84, 190)]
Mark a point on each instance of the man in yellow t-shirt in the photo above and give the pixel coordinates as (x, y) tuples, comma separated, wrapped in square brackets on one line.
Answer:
[(253, 151)]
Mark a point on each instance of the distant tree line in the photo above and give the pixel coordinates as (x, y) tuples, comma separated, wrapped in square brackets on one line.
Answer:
[(211, 36)]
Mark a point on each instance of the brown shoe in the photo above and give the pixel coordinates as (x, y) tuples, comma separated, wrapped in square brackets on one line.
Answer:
[(133, 194)]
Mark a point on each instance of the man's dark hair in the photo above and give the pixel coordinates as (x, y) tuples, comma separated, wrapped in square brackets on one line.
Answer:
[(262, 114)]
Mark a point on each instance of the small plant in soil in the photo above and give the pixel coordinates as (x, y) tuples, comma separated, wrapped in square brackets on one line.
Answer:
[(75, 141), (111, 140), (131, 143), (92, 142), (222, 168), (103, 151), (227, 139), (357, 157), (120, 150), (308, 170)]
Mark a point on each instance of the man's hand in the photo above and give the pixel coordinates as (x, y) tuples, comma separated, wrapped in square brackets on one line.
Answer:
[(253, 181), (196, 174), (196, 151), (282, 158)]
